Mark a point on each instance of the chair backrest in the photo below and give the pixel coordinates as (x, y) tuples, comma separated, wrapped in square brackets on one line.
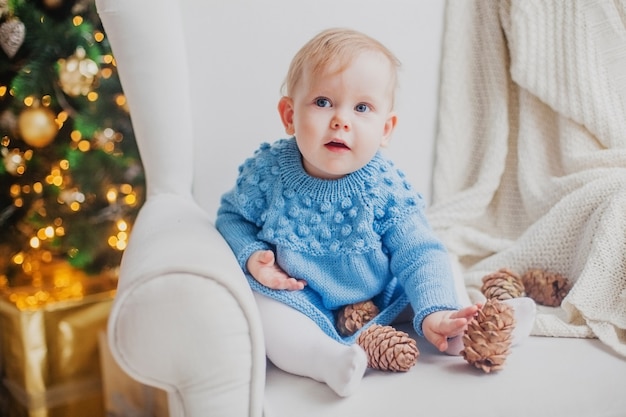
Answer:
[(238, 54)]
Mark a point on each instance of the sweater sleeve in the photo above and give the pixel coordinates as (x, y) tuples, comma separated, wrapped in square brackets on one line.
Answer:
[(239, 214), (421, 264)]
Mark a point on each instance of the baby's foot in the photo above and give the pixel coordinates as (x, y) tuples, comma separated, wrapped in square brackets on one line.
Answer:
[(455, 345), (525, 311), (345, 373)]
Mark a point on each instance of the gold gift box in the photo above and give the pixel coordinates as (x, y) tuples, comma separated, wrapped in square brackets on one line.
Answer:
[(49, 358)]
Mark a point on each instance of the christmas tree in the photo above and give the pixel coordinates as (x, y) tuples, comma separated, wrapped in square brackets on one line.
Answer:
[(71, 180)]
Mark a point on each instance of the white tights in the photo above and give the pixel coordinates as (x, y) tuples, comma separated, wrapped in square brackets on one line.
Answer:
[(296, 344)]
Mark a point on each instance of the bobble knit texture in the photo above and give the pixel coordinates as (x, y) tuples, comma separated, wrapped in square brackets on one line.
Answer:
[(360, 237)]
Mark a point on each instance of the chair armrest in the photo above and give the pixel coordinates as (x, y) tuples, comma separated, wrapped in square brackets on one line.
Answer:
[(184, 318)]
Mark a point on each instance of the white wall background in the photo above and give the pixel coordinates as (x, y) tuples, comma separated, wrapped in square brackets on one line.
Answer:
[(240, 55)]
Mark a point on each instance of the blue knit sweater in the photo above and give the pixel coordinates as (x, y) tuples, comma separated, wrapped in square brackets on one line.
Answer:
[(360, 237)]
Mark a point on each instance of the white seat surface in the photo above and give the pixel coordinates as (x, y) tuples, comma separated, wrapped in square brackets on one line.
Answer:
[(542, 377)]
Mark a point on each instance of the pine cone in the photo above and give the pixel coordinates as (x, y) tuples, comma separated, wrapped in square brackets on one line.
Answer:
[(503, 284), (354, 316), (487, 338), (545, 287), (388, 349)]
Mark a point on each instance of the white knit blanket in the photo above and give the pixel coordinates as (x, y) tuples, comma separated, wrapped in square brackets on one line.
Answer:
[(531, 152)]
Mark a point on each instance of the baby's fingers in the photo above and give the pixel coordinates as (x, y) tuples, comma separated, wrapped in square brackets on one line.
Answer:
[(280, 281), (293, 284), (453, 327), (466, 312)]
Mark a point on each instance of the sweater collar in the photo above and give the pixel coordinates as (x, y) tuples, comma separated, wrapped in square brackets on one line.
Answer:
[(294, 176)]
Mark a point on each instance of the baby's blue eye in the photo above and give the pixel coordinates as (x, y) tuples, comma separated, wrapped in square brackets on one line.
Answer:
[(322, 102), (362, 108)]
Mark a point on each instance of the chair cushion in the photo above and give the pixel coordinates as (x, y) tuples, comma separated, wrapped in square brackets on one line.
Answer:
[(542, 377)]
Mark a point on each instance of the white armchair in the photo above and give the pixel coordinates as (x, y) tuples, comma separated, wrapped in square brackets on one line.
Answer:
[(184, 318), (202, 81)]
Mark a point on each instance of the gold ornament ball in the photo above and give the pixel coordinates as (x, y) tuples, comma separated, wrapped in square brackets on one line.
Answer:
[(77, 74), (37, 126)]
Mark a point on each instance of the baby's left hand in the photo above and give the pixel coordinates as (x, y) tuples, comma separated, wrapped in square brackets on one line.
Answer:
[(439, 326)]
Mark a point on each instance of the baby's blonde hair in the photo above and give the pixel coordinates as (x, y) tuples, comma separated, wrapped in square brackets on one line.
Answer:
[(336, 46)]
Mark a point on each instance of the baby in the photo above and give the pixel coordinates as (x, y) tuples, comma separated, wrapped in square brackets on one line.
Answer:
[(322, 219)]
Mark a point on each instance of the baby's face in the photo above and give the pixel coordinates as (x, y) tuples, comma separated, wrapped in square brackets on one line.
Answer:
[(341, 119)]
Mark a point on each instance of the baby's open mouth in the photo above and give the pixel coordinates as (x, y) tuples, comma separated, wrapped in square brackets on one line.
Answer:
[(337, 144)]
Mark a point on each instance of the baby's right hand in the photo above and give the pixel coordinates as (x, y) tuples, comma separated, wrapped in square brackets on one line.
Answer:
[(262, 266)]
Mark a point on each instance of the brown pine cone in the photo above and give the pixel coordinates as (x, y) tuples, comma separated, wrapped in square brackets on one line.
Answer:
[(388, 349), (354, 316), (546, 288), (487, 338), (503, 284)]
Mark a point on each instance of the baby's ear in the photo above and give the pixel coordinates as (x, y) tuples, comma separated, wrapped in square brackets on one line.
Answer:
[(390, 125), (285, 109)]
